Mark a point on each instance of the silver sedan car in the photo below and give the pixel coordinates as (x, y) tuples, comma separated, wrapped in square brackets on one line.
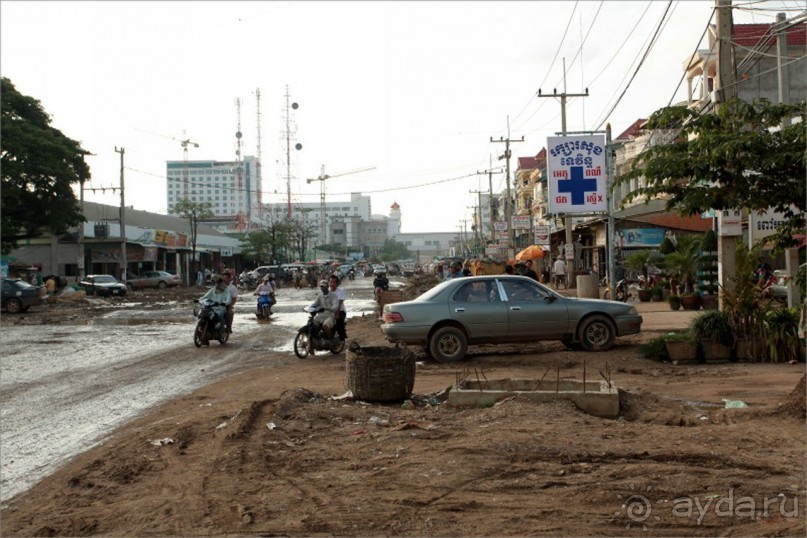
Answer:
[(504, 309)]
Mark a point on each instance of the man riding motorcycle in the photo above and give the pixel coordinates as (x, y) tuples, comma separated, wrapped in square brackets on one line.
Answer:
[(380, 283), (328, 303), (219, 294)]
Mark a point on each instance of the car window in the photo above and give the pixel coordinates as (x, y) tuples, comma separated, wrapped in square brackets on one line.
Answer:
[(477, 292), (104, 279), (518, 291)]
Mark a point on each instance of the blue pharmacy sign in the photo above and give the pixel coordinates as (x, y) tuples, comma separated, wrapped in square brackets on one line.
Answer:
[(576, 170)]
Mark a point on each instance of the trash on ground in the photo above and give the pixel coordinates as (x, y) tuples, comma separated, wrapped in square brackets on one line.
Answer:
[(735, 404)]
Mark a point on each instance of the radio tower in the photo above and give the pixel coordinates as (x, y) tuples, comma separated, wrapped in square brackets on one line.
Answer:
[(289, 138), (258, 164), (239, 168)]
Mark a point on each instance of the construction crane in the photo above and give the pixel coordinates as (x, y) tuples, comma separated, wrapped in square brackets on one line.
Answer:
[(322, 177)]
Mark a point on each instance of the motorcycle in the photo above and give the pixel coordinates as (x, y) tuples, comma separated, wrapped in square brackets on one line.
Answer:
[(351, 274), (266, 301), (622, 294), (311, 338), (209, 327)]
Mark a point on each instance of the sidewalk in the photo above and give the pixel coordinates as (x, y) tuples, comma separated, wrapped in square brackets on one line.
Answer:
[(656, 316)]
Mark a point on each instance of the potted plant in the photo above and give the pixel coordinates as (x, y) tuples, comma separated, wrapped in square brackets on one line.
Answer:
[(746, 311), (707, 271), (781, 334), (690, 301), (714, 332), (656, 295), (682, 264), (640, 261), (681, 346), (674, 302)]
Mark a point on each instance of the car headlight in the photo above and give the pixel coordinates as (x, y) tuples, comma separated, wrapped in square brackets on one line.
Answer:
[(632, 311)]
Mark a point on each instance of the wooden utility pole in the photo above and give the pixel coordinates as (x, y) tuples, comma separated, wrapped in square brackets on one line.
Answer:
[(489, 172), (507, 203), (725, 89), (122, 219)]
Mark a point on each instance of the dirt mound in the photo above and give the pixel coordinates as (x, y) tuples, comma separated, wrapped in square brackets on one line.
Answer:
[(418, 285), (794, 405)]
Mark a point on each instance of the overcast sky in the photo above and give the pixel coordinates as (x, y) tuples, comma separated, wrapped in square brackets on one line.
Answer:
[(414, 89)]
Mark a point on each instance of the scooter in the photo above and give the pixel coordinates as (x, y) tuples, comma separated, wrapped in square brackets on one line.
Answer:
[(209, 327), (622, 293), (266, 301), (311, 338)]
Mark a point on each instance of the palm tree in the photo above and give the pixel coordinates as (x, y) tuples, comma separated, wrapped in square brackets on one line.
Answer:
[(683, 262), (640, 261)]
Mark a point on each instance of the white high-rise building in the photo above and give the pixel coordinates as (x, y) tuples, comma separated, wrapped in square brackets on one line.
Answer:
[(345, 215), (231, 187)]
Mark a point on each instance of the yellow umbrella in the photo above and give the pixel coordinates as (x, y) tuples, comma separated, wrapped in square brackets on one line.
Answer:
[(532, 252)]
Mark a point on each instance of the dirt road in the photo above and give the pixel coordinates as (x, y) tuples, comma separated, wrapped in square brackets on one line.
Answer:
[(266, 451)]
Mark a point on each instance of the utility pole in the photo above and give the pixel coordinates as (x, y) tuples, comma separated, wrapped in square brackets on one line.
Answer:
[(725, 88), (610, 237), (81, 236), (489, 172), (507, 205), (567, 221), (122, 218)]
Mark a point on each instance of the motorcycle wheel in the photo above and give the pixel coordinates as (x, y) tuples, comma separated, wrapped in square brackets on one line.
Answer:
[(622, 294), (198, 335), (337, 346), (223, 337), (301, 343)]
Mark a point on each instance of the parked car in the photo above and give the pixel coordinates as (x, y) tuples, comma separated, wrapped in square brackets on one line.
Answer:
[(152, 279), (504, 309), (18, 295), (103, 285)]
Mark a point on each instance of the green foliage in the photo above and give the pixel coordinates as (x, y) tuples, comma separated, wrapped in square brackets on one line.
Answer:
[(680, 336), (736, 157), (781, 334), (640, 261), (707, 262), (393, 250), (682, 264), (193, 212), (743, 300), (38, 166), (655, 349), (666, 246), (713, 325)]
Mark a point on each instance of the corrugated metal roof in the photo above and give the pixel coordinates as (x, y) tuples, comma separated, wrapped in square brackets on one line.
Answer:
[(144, 219)]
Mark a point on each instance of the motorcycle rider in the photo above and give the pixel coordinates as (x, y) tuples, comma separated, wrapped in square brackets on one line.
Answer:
[(266, 287), (381, 281), (228, 279), (341, 313), (219, 294), (328, 303)]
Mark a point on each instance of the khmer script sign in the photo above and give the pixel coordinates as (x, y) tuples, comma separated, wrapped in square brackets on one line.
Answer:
[(576, 171)]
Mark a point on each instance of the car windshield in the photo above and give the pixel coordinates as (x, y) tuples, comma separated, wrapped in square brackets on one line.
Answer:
[(20, 284), (104, 279)]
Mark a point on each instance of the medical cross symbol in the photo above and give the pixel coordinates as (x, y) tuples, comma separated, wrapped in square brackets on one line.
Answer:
[(577, 186)]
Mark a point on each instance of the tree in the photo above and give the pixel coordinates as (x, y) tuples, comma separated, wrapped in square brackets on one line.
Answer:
[(683, 261), (393, 250), (38, 166), (193, 212), (738, 157)]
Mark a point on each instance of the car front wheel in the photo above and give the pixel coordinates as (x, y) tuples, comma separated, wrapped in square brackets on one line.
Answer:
[(448, 344), (13, 306), (597, 333), (162, 285)]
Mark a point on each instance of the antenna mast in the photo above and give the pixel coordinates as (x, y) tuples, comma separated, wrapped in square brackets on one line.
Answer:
[(239, 169), (289, 136), (258, 162)]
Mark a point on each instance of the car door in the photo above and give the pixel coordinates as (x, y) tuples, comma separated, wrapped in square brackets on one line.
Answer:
[(532, 312), (477, 305)]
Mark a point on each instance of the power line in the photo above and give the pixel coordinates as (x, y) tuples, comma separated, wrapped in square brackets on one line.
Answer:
[(644, 57)]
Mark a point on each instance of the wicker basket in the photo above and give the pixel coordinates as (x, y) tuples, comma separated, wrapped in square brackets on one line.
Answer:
[(379, 374)]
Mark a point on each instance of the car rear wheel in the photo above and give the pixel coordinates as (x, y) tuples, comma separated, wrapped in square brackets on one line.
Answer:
[(13, 306), (162, 285), (597, 333), (129, 286), (448, 344)]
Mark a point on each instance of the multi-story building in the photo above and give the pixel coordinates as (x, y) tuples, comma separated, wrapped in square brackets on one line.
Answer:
[(342, 219), (231, 187)]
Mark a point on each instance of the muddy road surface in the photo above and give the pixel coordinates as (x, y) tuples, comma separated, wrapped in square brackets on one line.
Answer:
[(71, 373)]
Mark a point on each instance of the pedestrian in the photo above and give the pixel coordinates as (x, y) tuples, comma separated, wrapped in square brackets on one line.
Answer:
[(508, 270), (528, 270), (207, 275), (559, 268), (341, 313), (50, 285), (228, 280), (200, 276), (454, 270)]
